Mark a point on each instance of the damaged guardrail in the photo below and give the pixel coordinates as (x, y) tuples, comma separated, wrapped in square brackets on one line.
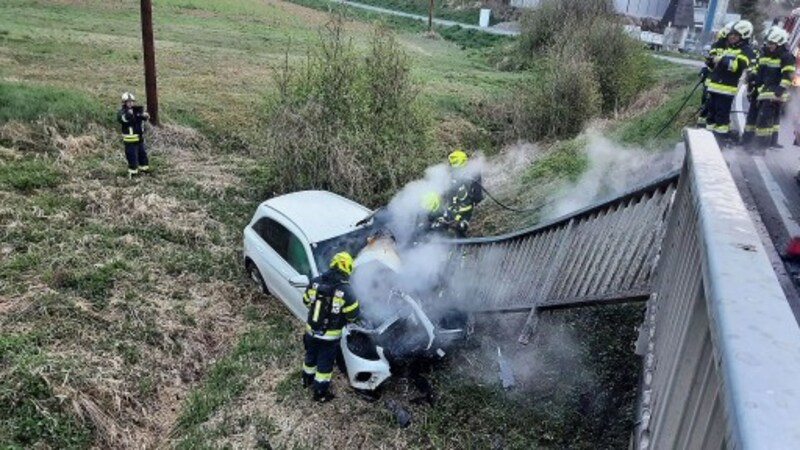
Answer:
[(721, 346), (601, 254)]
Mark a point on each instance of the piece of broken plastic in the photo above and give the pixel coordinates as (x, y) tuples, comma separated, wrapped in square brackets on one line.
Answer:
[(401, 415), (506, 375)]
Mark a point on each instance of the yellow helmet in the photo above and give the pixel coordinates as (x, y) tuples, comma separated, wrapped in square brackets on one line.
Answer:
[(430, 201), (457, 158), (342, 261)]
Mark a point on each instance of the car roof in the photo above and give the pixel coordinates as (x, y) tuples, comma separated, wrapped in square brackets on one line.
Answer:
[(320, 215)]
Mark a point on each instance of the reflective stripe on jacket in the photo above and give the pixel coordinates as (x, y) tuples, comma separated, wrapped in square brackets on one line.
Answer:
[(733, 61)]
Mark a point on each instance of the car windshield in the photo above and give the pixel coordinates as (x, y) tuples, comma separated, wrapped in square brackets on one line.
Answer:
[(351, 242)]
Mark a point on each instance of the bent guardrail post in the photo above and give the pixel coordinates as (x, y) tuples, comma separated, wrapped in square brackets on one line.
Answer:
[(722, 359), (529, 328)]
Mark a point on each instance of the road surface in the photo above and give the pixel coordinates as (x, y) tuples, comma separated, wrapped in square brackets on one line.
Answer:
[(766, 180)]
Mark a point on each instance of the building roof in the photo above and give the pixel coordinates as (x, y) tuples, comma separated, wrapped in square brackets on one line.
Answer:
[(320, 215)]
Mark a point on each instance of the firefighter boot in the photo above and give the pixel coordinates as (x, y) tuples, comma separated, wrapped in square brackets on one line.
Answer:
[(308, 379), (747, 138), (773, 142), (323, 396)]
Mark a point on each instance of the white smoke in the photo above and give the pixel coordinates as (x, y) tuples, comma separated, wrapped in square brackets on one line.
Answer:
[(421, 270), (612, 170)]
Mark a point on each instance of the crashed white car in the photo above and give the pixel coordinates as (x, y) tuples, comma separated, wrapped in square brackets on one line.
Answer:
[(291, 239)]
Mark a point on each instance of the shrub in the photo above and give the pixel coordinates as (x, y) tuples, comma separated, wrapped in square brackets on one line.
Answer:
[(540, 27), (562, 99), (348, 123), (588, 27)]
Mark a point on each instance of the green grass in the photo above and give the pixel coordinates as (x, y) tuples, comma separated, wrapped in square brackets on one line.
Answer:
[(116, 287), (28, 175), (642, 128), (270, 342), (29, 102), (441, 10), (462, 37), (30, 411), (228, 48), (566, 160), (94, 283)]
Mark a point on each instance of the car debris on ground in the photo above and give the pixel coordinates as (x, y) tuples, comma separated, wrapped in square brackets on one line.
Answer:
[(401, 414), (506, 375)]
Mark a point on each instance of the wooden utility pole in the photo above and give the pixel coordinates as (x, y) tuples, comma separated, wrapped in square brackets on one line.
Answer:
[(430, 16), (149, 61)]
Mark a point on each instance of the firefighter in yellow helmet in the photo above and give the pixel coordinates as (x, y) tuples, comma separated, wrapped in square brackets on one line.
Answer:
[(464, 193), (432, 217), (331, 305)]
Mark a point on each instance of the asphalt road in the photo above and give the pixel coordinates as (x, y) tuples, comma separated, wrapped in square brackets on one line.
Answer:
[(766, 180)]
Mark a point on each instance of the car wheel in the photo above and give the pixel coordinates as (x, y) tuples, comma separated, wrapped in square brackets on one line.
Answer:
[(255, 275)]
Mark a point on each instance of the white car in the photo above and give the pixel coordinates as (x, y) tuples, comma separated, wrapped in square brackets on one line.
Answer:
[(291, 239)]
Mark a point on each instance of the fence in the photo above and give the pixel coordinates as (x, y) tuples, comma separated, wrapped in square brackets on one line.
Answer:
[(721, 346)]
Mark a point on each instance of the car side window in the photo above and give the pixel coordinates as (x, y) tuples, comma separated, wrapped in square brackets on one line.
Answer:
[(285, 243)]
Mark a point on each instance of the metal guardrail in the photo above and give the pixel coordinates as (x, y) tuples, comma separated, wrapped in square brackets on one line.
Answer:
[(601, 254), (721, 346)]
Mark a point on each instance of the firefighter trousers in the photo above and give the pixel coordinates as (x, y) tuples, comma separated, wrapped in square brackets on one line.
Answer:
[(750, 123), (718, 117), (136, 154), (768, 122), (319, 360)]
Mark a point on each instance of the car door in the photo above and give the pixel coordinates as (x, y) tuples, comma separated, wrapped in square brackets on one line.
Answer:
[(281, 256)]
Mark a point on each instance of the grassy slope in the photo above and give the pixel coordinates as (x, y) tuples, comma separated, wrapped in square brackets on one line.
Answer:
[(118, 295), (123, 314)]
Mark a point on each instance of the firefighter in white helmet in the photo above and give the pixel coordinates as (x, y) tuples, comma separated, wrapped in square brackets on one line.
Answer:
[(131, 119), (723, 84), (716, 49), (776, 68)]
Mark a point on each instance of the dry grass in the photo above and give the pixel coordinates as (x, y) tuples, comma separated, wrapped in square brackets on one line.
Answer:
[(125, 367)]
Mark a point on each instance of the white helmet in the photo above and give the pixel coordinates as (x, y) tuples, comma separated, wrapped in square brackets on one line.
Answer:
[(126, 96), (767, 31), (743, 28), (725, 30), (777, 36)]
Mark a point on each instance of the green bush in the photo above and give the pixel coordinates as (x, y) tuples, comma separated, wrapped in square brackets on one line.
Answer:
[(588, 27), (349, 122), (562, 97), (551, 23)]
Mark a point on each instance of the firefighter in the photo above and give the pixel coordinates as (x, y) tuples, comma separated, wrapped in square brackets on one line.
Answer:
[(723, 84), (433, 219), (716, 49), (331, 305), (774, 77), (752, 93), (464, 193), (131, 119)]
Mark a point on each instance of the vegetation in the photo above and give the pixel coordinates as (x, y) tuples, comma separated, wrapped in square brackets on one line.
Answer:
[(441, 10), (349, 123), (125, 319), (465, 38)]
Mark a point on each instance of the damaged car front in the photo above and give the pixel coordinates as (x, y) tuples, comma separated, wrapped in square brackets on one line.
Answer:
[(396, 330), (291, 239)]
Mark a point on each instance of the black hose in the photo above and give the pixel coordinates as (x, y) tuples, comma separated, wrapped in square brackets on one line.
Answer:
[(683, 105), (518, 210)]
